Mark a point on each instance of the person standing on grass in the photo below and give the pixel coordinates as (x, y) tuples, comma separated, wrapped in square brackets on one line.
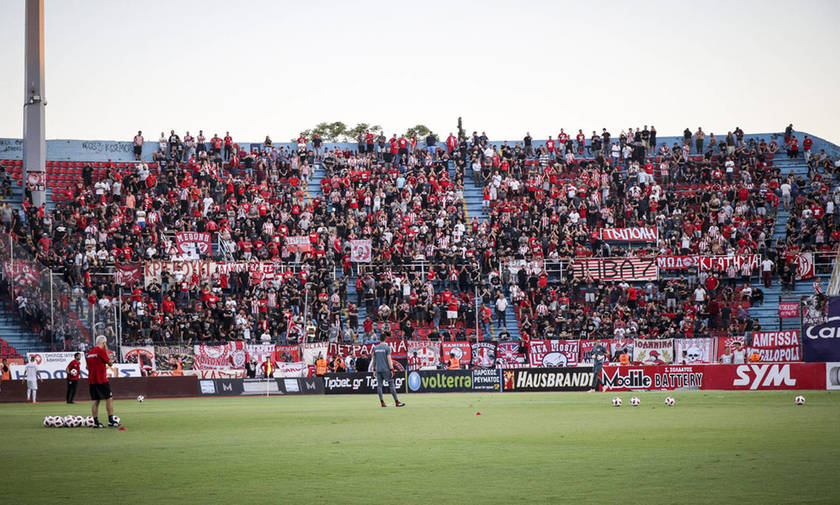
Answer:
[(31, 376), (599, 356), (73, 373), (100, 389), (384, 371)]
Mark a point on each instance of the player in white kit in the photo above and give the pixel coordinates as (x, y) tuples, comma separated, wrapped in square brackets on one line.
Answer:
[(31, 377)]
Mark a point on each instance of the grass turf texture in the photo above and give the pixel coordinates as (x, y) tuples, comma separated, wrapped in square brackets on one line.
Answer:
[(712, 447)]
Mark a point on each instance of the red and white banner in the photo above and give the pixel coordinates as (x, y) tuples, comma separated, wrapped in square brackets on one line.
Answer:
[(621, 344), (788, 309), (711, 377), (553, 353), (461, 350), (677, 262), (129, 275), (312, 351), (143, 356), (804, 265), (638, 234), (193, 244), (259, 352), (725, 344), (287, 353), (510, 355), (204, 270), (23, 272), (777, 345), (721, 263), (692, 351), (483, 355), (614, 269), (428, 353), (296, 369), (345, 350), (653, 352), (219, 357), (360, 251), (299, 243)]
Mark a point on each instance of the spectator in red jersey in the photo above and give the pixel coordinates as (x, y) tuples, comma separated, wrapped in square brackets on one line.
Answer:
[(73, 374), (100, 389), (228, 146)]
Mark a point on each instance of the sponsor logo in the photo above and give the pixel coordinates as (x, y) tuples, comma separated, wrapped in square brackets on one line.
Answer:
[(823, 330), (545, 380), (635, 379), (763, 375), (414, 381)]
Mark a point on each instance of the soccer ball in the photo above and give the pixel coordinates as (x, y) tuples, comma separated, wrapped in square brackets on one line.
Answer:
[(80, 421), (117, 419), (49, 422), (90, 422), (616, 402), (799, 400), (58, 422), (141, 398), (635, 401), (670, 401), (70, 421)]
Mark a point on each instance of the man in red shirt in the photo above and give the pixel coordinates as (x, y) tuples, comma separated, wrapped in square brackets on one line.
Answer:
[(100, 389), (73, 373), (228, 146)]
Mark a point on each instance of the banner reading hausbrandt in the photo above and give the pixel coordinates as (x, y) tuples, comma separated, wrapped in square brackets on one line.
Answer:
[(545, 379)]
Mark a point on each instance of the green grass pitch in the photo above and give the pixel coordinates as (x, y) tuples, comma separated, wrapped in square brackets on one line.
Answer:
[(712, 447)]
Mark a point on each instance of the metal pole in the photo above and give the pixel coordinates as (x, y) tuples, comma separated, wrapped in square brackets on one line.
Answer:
[(477, 314), (34, 102), (305, 309), (52, 303)]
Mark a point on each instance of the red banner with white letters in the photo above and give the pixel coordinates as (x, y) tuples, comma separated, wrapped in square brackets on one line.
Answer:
[(553, 353), (777, 345)]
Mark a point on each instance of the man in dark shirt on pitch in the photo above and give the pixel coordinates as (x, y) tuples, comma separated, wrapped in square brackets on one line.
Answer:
[(73, 374), (599, 356), (383, 366), (100, 389)]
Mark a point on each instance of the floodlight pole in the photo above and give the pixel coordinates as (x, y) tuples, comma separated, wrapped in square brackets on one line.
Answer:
[(34, 103)]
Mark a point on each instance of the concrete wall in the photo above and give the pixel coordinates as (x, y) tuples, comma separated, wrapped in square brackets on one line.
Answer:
[(105, 150)]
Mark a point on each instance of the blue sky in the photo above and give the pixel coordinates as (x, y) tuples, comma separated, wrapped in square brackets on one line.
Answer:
[(276, 67)]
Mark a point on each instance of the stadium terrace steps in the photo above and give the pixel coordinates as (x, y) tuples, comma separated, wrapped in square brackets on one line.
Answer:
[(18, 336), (473, 199)]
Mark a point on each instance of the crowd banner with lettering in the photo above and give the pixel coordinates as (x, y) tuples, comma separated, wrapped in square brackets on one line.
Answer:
[(721, 263), (311, 351), (776, 345), (510, 355), (428, 353), (461, 350), (483, 355), (298, 243), (677, 262), (360, 251), (588, 346), (174, 357), (53, 365), (202, 374), (23, 272), (548, 379), (287, 353), (691, 351), (193, 244), (204, 269), (209, 357), (344, 350), (614, 269), (531, 267), (142, 355), (618, 345), (653, 351), (295, 369), (636, 234), (788, 309), (553, 353), (725, 344), (804, 263), (259, 352)]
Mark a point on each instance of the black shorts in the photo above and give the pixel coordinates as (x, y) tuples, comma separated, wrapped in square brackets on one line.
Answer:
[(100, 391), (138, 149)]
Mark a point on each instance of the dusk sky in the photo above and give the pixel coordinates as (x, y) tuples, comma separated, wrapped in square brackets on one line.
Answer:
[(276, 67)]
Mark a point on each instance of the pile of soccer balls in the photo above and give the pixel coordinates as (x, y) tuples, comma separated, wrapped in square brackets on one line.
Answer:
[(71, 421)]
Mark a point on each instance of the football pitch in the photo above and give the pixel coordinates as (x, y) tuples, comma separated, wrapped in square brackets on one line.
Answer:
[(712, 447)]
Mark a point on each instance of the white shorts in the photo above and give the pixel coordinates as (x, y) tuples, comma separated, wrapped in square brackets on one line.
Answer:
[(452, 314), (30, 384)]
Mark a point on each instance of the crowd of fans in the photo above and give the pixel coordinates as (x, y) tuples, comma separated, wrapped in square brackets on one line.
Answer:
[(434, 273)]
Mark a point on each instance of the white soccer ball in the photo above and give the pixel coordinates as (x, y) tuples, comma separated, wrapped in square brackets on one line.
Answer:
[(635, 401), (90, 422), (117, 419), (80, 421), (670, 401), (141, 398), (58, 422), (68, 421), (49, 422), (616, 402), (799, 400)]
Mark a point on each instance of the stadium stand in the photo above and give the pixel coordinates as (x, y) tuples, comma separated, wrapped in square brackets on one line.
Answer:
[(448, 226)]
